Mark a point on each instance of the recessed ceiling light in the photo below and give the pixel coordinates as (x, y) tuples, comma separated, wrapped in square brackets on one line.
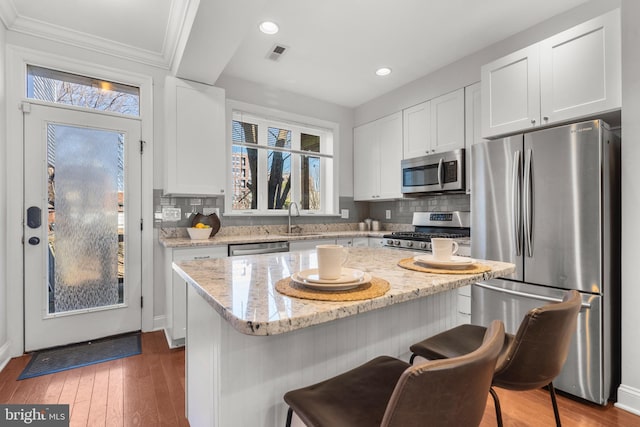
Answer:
[(384, 71), (269, 27)]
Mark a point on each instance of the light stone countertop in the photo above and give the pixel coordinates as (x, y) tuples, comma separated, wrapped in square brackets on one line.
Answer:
[(242, 289), (185, 242)]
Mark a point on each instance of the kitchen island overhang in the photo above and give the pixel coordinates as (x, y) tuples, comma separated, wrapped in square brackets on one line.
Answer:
[(247, 344), (242, 289)]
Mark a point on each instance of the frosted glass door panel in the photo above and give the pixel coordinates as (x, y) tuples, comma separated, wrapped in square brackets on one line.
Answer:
[(85, 217), (83, 234)]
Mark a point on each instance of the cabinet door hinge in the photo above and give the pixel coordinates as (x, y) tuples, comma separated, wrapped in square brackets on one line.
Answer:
[(141, 224), (142, 146), (141, 302)]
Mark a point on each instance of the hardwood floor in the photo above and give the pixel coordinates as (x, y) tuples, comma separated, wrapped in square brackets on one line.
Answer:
[(148, 390), (142, 390)]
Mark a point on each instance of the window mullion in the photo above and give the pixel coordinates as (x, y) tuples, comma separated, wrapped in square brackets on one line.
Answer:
[(295, 168), (262, 166)]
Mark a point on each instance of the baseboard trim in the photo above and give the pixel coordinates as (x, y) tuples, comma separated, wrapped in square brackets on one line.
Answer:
[(628, 399), (5, 355), (159, 322)]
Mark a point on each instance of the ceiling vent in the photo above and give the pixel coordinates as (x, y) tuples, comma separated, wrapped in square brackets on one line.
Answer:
[(276, 52)]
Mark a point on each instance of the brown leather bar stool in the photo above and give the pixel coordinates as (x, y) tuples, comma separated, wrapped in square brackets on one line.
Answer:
[(390, 392), (530, 359)]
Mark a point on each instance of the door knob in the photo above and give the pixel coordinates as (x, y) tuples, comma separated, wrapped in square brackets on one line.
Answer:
[(34, 240)]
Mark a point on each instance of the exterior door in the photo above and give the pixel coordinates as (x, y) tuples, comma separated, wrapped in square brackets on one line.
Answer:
[(82, 237)]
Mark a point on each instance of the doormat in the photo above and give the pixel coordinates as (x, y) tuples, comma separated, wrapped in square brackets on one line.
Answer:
[(77, 355)]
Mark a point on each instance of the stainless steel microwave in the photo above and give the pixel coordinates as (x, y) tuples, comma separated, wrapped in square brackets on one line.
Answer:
[(435, 173)]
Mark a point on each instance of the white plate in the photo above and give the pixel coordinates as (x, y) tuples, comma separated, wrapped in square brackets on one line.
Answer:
[(366, 278), (349, 275), (454, 262)]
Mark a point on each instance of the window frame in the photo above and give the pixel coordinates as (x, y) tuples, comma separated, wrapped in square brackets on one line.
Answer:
[(268, 117)]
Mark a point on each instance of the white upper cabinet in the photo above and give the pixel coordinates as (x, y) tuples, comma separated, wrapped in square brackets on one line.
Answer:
[(194, 138), (389, 170), (416, 130), (472, 125), (366, 157), (447, 122), (511, 92), (434, 126), (581, 70), (572, 75), (377, 153)]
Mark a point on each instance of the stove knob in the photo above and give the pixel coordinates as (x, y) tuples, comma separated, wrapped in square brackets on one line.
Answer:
[(409, 244), (396, 242), (423, 245), (389, 242)]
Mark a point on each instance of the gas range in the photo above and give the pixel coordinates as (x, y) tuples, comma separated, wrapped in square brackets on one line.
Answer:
[(428, 225)]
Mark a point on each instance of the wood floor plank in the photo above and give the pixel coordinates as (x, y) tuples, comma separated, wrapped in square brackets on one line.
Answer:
[(9, 376), (55, 388), (148, 390), (115, 395), (98, 408)]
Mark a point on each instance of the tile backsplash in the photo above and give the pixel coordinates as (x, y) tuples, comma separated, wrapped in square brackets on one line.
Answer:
[(171, 211)]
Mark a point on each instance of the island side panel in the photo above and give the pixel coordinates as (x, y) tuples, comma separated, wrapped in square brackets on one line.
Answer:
[(202, 361), (240, 379)]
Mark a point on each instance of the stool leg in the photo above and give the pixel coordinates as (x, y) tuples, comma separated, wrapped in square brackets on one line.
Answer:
[(496, 402), (289, 415), (552, 393)]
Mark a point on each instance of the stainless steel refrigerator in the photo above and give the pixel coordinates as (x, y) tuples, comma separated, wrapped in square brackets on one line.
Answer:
[(549, 202)]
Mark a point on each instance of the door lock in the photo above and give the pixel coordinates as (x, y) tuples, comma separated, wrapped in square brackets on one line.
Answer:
[(34, 240)]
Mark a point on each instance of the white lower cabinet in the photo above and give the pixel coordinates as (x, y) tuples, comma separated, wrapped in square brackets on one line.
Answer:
[(175, 292)]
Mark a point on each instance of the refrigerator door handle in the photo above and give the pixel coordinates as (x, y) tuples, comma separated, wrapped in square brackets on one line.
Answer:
[(528, 202), (585, 305), (440, 163), (516, 211)]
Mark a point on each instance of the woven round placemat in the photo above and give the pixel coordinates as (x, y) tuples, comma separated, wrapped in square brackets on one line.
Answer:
[(375, 288), (411, 264)]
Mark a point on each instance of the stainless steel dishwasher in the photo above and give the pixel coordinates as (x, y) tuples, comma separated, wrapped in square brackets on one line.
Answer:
[(258, 248)]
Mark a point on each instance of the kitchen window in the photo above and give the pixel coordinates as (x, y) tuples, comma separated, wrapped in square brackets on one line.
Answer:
[(281, 162)]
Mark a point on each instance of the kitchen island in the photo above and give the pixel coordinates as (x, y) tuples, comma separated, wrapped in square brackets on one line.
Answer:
[(247, 344)]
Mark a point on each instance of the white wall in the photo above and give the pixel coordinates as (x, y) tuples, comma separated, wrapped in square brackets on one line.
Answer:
[(4, 350), (267, 96), (467, 70), (629, 391)]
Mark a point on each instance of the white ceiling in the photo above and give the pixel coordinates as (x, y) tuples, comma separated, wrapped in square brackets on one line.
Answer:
[(334, 45)]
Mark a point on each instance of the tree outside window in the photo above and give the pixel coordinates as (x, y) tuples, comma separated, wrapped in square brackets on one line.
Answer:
[(280, 163)]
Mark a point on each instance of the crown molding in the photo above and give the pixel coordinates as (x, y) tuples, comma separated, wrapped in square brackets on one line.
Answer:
[(8, 13), (176, 27)]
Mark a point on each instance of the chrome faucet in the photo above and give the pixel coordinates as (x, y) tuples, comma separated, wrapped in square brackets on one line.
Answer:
[(297, 214)]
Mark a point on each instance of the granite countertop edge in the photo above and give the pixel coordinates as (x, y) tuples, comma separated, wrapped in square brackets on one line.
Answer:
[(185, 242), (439, 283)]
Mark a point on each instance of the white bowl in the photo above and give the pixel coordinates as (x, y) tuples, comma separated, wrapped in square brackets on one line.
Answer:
[(199, 233)]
